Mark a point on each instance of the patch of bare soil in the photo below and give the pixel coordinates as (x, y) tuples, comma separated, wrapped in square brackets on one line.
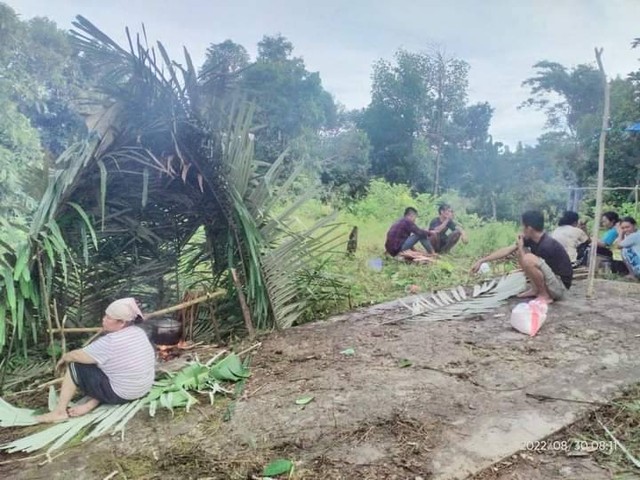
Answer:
[(440, 400), (590, 454)]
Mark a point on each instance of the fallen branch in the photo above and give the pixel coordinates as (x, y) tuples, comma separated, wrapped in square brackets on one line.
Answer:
[(544, 398), (247, 350)]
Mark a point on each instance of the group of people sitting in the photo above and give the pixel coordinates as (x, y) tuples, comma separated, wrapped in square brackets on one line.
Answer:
[(620, 233), (548, 260), (405, 234)]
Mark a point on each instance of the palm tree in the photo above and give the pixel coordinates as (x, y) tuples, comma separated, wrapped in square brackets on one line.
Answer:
[(123, 207)]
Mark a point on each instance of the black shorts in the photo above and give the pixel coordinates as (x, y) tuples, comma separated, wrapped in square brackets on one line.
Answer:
[(94, 383)]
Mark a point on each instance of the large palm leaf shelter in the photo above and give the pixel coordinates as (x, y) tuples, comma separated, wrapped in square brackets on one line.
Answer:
[(162, 197)]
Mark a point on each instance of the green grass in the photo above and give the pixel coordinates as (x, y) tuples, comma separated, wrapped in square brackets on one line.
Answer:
[(373, 216)]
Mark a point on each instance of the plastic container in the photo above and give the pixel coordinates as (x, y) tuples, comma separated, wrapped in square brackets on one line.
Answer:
[(375, 264), (484, 269)]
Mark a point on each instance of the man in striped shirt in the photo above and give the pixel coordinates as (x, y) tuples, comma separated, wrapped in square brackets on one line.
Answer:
[(118, 367)]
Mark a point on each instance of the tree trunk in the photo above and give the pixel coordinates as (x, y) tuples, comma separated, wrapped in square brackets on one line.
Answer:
[(603, 139), (436, 181), (494, 213)]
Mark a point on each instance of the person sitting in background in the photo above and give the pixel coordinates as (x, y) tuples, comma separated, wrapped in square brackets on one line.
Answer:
[(629, 242), (439, 226), (116, 368), (404, 234), (572, 238), (609, 222), (546, 265)]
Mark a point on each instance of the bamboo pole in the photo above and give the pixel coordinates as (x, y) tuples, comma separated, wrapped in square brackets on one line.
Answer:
[(243, 304), (159, 313), (601, 151), (47, 311)]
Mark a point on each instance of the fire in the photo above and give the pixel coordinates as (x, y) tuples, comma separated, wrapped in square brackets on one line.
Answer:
[(168, 352)]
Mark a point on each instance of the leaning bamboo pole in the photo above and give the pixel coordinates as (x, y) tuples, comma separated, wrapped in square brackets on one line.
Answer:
[(600, 187), (159, 313)]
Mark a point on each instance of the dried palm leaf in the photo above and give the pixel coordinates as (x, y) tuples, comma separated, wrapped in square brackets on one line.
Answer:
[(485, 297)]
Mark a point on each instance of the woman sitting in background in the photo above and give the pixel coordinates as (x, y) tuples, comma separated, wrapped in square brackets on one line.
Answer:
[(115, 369), (629, 242), (572, 238), (609, 221)]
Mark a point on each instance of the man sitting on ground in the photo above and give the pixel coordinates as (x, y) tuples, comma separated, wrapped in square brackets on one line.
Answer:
[(439, 226), (573, 239), (404, 234), (547, 266), (629, 242)]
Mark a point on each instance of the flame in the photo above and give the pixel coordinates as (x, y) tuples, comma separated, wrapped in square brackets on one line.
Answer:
[(167, 352)]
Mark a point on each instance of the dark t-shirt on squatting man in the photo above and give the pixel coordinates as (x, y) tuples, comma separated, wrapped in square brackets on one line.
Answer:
[(554, 255)]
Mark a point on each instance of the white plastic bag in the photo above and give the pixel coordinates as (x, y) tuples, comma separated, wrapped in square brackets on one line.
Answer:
[(529, 317)]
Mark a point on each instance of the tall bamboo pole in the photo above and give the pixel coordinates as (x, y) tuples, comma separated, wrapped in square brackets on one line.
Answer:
[(603, 139)]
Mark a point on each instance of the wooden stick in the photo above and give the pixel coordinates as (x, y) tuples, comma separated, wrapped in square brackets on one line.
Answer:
[(77, 330), (93, 337), (204, 298), (47, 312), (243, 304), (159, 313), (55, 381), (247, 350), (63, 339), (542, 398), (603, 139)]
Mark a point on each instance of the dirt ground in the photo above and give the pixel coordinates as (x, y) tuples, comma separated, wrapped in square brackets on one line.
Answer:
[(417, 400)]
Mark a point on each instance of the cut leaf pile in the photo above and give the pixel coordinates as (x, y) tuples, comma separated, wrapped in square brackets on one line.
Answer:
[(173, 390)]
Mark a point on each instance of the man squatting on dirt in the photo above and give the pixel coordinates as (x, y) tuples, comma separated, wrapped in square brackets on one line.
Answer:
[(546, 263)]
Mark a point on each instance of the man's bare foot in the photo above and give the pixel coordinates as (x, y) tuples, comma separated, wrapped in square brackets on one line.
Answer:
[(528, 294), (83, 408), (52, 417), (544, 299)]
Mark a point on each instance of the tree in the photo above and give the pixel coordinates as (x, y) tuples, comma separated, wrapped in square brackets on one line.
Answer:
[(395, 118), (572, 101), (21, 170), (347, 164), (221, 68), (288, 97), (42, 74), (413, 102), (450, 85)]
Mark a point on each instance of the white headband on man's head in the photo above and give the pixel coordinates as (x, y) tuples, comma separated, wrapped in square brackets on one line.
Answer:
[(125, 309)]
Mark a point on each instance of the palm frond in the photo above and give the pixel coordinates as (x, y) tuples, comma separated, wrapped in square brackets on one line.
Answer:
[(171, 391), (457, 303)]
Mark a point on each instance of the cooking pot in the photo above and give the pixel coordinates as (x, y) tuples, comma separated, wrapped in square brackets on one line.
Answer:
[(166, 331)]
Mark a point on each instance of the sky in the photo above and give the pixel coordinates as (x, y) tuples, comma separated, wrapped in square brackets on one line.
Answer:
[(500, 39)]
